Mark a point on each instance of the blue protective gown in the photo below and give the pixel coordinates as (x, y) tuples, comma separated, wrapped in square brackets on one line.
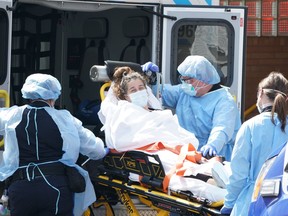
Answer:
[(76, 139), (213, 117), (257, 138)]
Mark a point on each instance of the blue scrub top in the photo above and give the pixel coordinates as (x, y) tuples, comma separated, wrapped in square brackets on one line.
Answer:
[(213, 117)]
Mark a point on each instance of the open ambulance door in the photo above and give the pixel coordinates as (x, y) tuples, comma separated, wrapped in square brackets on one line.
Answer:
[(5, 47), (216, 32), (5, 41)]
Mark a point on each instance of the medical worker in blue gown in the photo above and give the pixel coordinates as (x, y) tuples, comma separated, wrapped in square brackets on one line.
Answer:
[(40, 142), (203, 106), (257, 138)]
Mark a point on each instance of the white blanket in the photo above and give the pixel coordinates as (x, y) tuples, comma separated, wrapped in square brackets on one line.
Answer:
[(128, 126)]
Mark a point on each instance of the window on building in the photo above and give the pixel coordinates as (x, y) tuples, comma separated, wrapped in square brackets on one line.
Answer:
[(265, 17)]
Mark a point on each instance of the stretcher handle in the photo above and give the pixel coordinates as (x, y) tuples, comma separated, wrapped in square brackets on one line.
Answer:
[(4, 94), (102, 90)]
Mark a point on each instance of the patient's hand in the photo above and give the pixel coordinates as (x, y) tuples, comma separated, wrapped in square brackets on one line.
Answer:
[(211, 160), (202, 160), (217, 158)]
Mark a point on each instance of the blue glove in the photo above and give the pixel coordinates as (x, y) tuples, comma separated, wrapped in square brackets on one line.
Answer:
[(150, 66), (225, 211), (208, 150), (107, 150)]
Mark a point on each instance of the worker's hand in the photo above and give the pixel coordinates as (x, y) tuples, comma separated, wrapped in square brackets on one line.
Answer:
[(150, 66), (225, 211), (208, 151)]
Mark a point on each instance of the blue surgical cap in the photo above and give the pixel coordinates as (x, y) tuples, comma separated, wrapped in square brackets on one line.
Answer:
[(41, 86), (200, 68)]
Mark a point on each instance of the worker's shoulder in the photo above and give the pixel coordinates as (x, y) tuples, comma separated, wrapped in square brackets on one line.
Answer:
[(221, 94), (59, 112)]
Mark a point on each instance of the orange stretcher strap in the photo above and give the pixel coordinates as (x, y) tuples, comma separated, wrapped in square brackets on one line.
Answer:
[(185, 152)]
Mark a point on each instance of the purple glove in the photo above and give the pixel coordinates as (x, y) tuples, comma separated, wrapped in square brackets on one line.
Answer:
[(208, 150), (225, 211), (150, 66)]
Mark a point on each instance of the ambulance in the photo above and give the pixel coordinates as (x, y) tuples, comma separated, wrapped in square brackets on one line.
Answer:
[(66, 38)]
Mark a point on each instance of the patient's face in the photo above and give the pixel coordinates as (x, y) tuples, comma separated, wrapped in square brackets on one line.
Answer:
[(134, 86)]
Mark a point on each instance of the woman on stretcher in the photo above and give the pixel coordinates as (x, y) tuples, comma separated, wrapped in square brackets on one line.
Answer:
[(133, 120)]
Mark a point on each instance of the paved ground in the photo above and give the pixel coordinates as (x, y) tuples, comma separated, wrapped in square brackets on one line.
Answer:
[(120, 210)]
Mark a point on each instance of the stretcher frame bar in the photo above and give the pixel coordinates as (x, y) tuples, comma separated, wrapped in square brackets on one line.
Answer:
[(159, 199)]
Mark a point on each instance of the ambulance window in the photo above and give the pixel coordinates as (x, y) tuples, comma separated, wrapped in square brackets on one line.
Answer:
[(210, 39), (3, 45)]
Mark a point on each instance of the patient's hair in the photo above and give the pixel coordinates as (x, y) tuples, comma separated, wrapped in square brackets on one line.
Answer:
[(275, 86), (121, 77)]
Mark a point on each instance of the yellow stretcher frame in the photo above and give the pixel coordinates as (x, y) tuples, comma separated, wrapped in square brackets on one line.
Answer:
[(103, 88), (113, 175), (159, 201), (4, 94)]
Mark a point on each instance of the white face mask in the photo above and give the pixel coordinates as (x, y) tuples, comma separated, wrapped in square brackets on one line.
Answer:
[(139, 98), (188, 89), (261, 107), (258, 107), (258, 102)]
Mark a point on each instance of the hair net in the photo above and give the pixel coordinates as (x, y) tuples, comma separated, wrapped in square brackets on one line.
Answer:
[(42, 86), (199, 68)]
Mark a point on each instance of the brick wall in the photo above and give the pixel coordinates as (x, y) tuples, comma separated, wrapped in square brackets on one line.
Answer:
[(264, 54)]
